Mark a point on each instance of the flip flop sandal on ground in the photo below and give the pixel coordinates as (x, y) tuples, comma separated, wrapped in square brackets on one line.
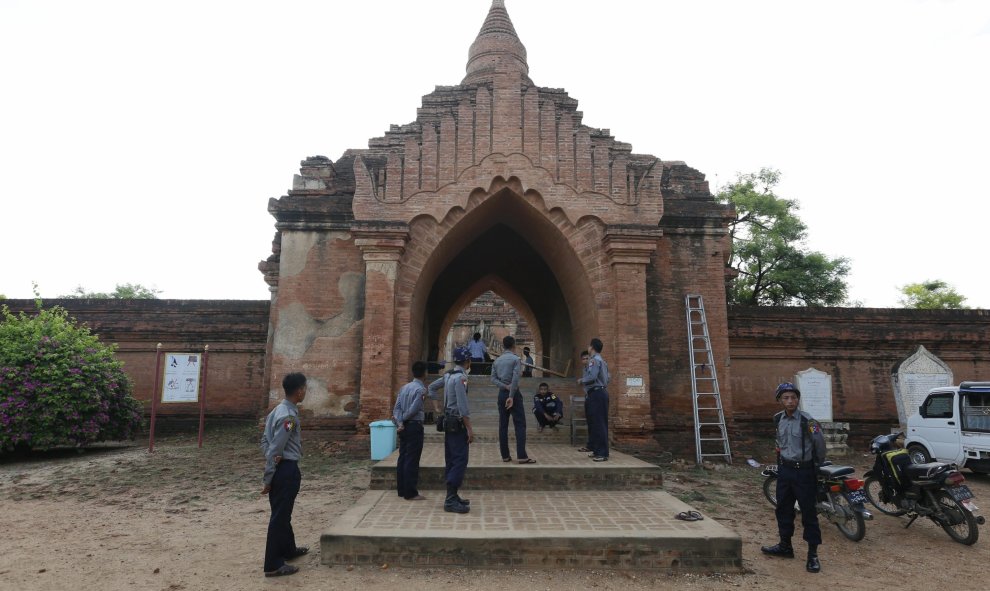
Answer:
[(584, 449), (689, 516), (506, 459), (527, 461)]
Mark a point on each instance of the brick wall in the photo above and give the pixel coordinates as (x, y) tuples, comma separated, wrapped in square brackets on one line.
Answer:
[(857, 346), (234, 330)]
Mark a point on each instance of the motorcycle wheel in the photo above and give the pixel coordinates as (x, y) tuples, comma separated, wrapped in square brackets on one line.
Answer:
[(854, 527), (873, 488), (962, 526), (770, 489)]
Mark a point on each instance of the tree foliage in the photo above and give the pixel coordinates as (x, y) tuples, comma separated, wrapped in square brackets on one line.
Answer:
[(773, 267), (59, 385), (931, 295), (123, 291)]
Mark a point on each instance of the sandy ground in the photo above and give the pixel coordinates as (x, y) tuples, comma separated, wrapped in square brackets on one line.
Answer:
[(118, 518)]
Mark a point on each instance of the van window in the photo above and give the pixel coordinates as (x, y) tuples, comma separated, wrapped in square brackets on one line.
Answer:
[(938, 406), (976, 411)]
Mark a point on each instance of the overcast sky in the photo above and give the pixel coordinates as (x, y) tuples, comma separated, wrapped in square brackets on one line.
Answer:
[(140, 141)]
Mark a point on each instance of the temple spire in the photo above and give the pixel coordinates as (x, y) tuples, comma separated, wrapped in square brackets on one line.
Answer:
[(497, 45)]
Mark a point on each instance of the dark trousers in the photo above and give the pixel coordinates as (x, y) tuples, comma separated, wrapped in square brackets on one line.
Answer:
[(281, 540), (543, 421), (455, 453), (797, 484), (586, 415), (410, 451), (518, 421), (597, 405)]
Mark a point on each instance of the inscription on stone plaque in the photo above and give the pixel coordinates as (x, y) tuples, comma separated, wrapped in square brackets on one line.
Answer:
[(914, 377), (816, 393), (635, 386)]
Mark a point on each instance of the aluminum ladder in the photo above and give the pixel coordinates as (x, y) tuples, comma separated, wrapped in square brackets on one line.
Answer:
[(710, 436)]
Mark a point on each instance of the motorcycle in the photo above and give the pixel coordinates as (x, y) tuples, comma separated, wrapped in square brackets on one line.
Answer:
[(935, 490), (840, 499)]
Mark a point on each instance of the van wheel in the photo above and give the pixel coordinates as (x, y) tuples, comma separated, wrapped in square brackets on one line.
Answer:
[(919, 455)]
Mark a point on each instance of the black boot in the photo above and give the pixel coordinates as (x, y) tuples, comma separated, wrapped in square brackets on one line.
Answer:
[(452, 503), (782, 549), (813, 565), (463, 501)]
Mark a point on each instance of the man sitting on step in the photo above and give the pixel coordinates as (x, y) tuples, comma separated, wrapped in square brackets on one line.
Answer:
[(549, 409)]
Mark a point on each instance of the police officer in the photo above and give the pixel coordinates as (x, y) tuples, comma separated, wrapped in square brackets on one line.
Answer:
[(547, 407), (479, 353), (281, 443), (594, 381), (408, 417), (506, 372), (458, 434), (800, 450), (528, 363)]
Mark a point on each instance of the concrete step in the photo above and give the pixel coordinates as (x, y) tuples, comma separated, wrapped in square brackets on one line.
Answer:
[(532, 529), (558, 467)]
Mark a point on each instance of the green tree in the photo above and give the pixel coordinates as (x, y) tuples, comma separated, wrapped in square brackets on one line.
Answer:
[(772, 266), (123, 291), (59, 385), (931, 295)]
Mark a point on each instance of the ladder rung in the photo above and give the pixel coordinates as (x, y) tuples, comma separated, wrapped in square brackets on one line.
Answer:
[(702, 362)]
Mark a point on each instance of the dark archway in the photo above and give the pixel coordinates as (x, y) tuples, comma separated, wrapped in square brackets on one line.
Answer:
[(502, 252)]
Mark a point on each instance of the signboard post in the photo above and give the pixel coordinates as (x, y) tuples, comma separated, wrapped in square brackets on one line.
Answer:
[(154, 398), (180, 384), (202, 398)]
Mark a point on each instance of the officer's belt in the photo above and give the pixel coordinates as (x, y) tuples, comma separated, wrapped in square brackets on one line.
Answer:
[(795, 465), (411, 421)]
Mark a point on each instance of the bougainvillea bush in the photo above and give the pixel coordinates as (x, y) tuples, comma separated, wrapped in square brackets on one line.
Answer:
[(59, 385)]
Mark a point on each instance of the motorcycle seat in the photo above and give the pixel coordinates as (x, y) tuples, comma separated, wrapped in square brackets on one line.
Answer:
[(926, 471), (835, 471)]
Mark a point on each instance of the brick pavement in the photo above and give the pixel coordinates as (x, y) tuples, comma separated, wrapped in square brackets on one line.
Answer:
[(584, 515)]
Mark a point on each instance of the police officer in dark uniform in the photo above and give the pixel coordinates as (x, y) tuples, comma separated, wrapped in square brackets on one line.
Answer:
[(549, 409), (281, 443), (408, 417), (458, 433), (800, 450), (594, 381)]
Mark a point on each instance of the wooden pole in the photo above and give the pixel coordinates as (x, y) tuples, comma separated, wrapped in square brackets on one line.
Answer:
[(154, 398), (202, 394)]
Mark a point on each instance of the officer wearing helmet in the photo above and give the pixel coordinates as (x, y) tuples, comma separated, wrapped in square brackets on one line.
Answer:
[(458, 433), (800, 450)]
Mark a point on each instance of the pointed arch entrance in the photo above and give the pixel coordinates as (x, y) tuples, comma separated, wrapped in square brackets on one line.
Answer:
[(505, 240)]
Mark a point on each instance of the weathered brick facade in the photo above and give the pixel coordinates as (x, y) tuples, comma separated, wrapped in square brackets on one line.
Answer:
[(859, 347), (497, 185)]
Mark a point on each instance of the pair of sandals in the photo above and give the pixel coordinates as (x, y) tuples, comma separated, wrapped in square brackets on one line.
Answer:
[(689, 516), (523, 461)]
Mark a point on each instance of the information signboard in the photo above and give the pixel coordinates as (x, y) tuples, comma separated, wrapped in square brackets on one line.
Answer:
[(180, 382)]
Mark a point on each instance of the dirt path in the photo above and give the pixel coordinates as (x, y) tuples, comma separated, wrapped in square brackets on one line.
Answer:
[(120, 519)]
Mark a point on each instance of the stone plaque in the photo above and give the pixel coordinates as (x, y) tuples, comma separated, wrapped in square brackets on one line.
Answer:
[(635, 386), (914, 377), (816, 393)]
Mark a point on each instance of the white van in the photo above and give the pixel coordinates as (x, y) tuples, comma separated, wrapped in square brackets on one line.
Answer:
[(953, 425)]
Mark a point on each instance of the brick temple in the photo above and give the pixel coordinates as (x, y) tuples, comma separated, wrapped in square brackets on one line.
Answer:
[(389, 254), (496, 186)]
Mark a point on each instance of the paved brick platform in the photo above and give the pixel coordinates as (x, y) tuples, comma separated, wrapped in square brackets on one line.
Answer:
[(532, 529), (558, 467)]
